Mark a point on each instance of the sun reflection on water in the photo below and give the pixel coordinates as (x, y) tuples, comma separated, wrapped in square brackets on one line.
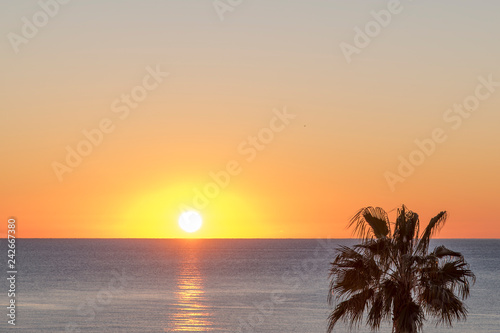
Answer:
[(192, 314)]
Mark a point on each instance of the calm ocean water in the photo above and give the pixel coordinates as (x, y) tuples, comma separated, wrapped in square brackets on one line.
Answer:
[(277, 286)]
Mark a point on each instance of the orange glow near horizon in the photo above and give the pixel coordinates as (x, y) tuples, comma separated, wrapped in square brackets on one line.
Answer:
[(258, 122)]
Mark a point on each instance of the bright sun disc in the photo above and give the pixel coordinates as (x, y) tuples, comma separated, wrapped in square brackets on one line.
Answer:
[(190, 221)]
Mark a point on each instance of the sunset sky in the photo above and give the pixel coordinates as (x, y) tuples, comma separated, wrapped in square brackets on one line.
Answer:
[(260, 96)]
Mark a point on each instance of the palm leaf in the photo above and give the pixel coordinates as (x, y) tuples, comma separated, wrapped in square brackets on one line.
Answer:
[(436, 223), (351, 310), (442, 251), (370, 222)]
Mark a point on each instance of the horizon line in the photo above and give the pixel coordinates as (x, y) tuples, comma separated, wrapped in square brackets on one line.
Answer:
[(231, 238)]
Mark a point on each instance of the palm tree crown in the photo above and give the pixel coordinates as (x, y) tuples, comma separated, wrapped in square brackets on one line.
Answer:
[(391, 275)]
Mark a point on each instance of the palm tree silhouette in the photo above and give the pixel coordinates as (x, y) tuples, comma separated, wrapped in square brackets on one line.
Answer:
[(392, 276)]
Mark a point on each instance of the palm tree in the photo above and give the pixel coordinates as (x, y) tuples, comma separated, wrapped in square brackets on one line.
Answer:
[(391, 275)]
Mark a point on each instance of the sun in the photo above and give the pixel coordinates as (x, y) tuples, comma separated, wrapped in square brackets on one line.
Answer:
[(190, 221)]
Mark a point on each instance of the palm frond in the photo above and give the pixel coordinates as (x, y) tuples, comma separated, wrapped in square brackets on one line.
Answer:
[(351, 272), (377, 313), (435, 224), (370, 222), (442, 251), (406, 229), (457, 275), (351, 310), (375, 247), (443, 304)]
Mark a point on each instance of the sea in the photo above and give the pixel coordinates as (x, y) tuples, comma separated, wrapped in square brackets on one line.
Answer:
[(190, 285)]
